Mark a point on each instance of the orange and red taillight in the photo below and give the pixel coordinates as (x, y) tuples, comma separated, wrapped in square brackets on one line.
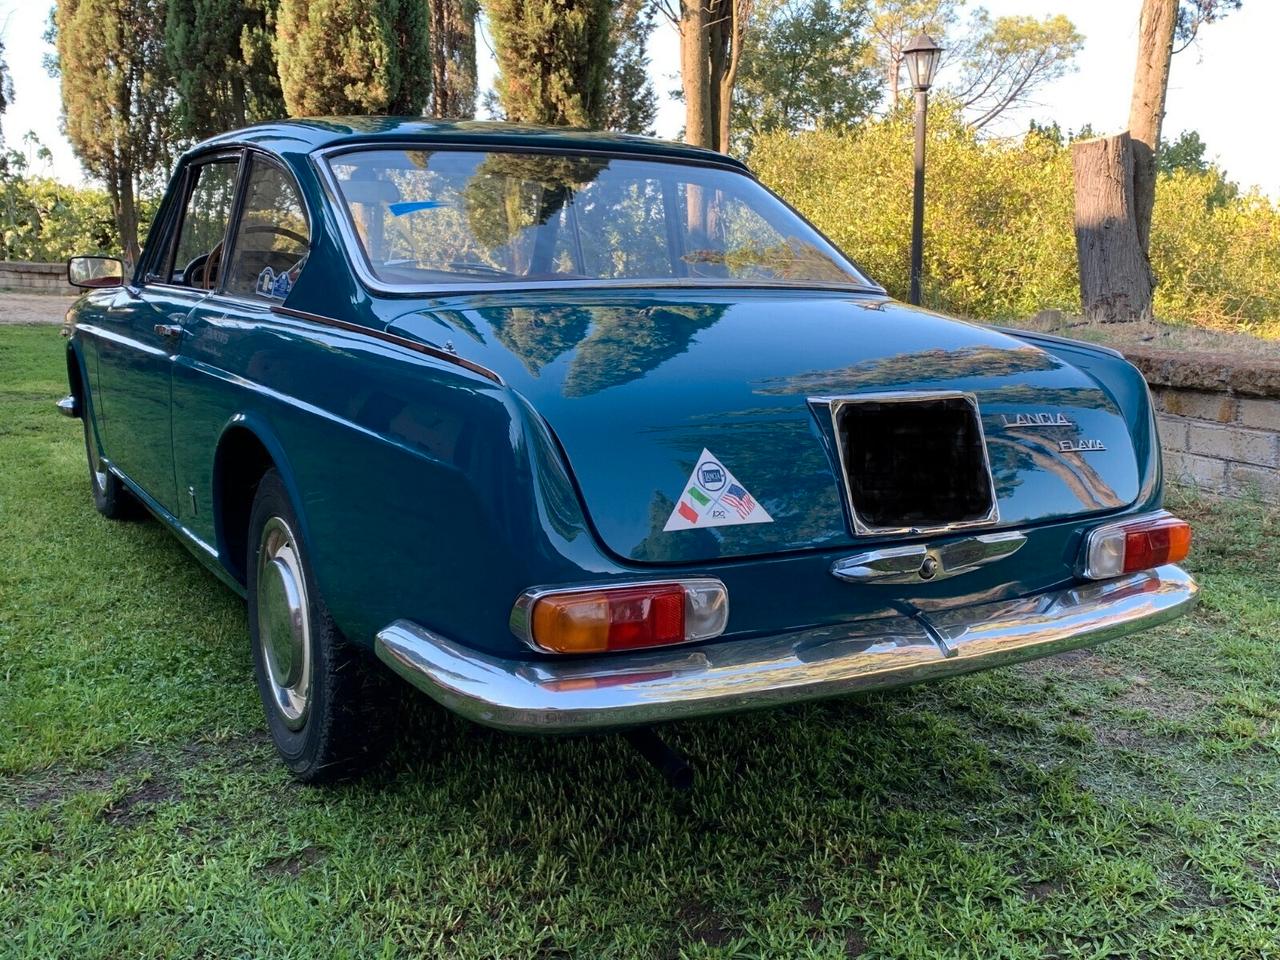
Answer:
[(631, 616), (1133, 545)]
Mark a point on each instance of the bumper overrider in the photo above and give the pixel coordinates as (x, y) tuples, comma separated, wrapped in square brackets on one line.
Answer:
[(600, 692)]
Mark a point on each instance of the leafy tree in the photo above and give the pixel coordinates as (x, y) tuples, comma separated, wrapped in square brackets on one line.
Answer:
[(631, 104), (894, 23), (351, 56), (553, 58), (453, 57), (1185, 153), (805, 66), (1004, 61), (993, 64), (1193, 14), (115, 97), (223, 65)]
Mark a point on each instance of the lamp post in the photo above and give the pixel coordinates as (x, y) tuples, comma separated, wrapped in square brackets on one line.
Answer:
[(922, 56)]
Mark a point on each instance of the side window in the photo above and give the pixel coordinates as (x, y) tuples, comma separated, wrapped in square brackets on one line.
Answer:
[(197, 260), (271, 239)]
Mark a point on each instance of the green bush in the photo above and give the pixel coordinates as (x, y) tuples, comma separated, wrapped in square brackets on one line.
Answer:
[(999, 241), (44, 220), (1217, 260)]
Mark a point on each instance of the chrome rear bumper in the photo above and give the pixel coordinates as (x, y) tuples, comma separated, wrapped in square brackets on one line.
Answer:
[(633, 689)]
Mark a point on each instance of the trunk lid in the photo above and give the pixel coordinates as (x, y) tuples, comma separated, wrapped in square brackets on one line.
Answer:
[(640, 387)]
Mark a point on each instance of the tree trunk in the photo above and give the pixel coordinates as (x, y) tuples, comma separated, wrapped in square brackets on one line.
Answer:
[(239, 102), (120, 189), (1146, 109), (739, 13), (695, 73), (1115, 277), (453, 58), (439, 59)]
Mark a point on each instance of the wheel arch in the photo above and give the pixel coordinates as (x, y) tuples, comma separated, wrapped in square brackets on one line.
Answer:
[(246, 450), (76, 376)]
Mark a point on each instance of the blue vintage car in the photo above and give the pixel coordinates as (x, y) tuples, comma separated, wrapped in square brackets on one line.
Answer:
[(577, 431)]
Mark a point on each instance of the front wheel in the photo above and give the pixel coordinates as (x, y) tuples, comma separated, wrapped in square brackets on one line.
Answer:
[(322, 695)]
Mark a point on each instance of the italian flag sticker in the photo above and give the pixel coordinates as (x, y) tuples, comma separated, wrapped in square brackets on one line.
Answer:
[(714, 497)]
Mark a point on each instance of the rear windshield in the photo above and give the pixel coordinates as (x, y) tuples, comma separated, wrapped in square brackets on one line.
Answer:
[(426, 217)]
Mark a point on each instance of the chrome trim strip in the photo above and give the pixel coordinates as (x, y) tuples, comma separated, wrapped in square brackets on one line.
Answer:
[(862, 529), (730, 675), (522, 610), (912, 564), (68, 406), (415, 345)]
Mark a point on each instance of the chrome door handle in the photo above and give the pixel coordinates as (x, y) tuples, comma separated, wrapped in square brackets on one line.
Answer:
[(168, 329)]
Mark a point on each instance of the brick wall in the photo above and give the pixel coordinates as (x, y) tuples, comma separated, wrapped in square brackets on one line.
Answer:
[(34, 277), (1219, 419), (1220, 442)]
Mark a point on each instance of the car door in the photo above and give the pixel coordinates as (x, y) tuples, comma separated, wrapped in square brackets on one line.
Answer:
[(143, 327), (229, 335)]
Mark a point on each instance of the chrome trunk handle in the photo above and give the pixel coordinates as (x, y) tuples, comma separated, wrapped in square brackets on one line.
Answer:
[(921, 562)]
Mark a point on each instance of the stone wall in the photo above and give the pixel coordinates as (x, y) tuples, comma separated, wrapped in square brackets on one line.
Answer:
[(34, 277), (1219, 419)]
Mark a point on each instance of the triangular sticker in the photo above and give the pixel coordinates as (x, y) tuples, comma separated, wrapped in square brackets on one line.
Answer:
[(714, 497)]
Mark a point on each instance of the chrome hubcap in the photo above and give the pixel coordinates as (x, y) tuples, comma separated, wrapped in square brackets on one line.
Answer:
[(284, 627)]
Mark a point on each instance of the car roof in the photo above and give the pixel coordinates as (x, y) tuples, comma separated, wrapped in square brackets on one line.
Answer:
[(304, 136)]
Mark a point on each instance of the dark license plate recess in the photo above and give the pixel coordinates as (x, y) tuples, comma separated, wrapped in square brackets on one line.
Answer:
[(914, 463)]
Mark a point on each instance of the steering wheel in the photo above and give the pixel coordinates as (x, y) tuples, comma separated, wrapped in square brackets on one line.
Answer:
[(201, 271), (189, 271), (211, 266), (278, 231)]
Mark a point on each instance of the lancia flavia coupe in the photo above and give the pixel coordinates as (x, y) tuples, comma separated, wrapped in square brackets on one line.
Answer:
[(575, 431)]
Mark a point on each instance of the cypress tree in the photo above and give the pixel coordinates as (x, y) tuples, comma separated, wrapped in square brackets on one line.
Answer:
[(453, 57), (352, 56), (632, 105), (223, 65), (115, 97), (553, 57)]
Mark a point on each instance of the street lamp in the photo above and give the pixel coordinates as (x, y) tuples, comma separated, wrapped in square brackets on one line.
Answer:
[(922, 56)]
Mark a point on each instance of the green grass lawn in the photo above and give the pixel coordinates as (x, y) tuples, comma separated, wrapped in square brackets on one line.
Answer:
[(1120, 802)]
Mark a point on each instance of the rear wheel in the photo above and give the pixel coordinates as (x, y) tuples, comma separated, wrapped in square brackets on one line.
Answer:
[(110, 496), (321, 694)]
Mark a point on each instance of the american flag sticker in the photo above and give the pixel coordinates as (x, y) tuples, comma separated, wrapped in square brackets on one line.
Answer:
[(714, 497)]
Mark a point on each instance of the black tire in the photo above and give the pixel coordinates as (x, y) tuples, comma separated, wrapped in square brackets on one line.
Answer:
[(111, 497), (322, 695)]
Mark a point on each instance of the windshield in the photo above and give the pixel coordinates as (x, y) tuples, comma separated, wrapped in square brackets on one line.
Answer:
[(426, 217)]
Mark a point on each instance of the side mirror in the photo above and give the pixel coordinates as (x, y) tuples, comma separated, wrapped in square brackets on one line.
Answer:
[(92, 273)]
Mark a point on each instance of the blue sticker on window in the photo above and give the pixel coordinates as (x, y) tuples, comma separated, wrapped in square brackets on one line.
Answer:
[(413, 206), (265, 279), (272, 284)]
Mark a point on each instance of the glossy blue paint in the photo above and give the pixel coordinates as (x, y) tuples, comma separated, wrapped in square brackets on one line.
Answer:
[(636, 384), (429, 492)]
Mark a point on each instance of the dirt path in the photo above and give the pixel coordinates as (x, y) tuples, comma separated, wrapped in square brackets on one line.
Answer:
[(33, 307)]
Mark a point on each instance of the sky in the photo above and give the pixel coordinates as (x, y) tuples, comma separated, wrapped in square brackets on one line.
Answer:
[(1219, 87)]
